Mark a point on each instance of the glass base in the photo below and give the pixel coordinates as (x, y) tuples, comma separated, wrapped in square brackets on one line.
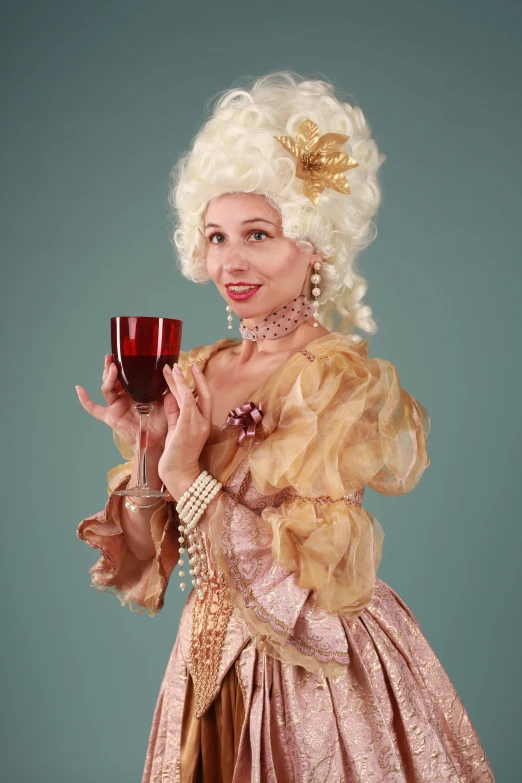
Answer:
[(141, 492)]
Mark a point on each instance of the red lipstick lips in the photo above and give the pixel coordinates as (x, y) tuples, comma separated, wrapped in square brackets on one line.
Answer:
[(240, 295)]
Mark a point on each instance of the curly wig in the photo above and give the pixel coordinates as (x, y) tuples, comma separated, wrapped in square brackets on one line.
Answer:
[(235, 152)]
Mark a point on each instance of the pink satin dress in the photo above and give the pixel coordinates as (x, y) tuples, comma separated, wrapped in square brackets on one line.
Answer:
[(299, 663)]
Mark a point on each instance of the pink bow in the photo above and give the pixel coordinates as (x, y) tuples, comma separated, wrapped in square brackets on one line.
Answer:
[(247, 417)]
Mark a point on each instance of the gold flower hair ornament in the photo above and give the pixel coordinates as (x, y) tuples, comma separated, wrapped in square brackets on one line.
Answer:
[(319, 160)]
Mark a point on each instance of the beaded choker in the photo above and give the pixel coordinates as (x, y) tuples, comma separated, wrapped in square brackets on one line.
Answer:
[(283, 321)]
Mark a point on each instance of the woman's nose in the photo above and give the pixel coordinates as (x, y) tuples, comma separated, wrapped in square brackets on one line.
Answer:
[(234, 258)]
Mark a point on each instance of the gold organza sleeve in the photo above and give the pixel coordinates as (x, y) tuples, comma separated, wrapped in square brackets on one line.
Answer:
[(345, 424)]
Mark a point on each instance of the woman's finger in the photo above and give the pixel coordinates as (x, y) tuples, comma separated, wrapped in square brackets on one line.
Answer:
[(181, 383), (106, 364), (171, 408), (168, 375), (188, 403), (98, 411), (108, 387), (204, 393)]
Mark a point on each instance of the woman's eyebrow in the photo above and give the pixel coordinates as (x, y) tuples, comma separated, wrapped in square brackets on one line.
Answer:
[(251, 220)]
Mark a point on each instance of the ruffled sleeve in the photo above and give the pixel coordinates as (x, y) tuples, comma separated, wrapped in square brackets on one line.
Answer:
[(140, 584), (299, 567)]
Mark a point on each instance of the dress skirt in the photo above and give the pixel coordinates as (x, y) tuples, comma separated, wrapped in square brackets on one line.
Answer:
[(392, 717)]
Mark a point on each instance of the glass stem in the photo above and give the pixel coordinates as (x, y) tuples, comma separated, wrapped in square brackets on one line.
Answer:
[(143, 411)]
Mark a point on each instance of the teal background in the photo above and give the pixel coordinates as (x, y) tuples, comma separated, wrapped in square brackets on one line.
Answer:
[(99, 101)]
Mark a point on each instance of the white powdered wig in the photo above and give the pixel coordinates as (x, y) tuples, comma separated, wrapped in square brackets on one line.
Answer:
[(235, 152)]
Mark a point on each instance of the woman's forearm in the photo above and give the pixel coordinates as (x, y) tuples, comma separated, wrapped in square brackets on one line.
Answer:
[(136, 524)]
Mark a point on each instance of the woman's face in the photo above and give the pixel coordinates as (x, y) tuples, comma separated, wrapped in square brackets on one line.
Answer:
[(245, 244)]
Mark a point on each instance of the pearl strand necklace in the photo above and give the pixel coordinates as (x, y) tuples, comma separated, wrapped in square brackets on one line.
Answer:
[(191, 507)]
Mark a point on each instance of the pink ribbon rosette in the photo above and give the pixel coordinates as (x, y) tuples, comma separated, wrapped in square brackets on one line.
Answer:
[(245, 418)]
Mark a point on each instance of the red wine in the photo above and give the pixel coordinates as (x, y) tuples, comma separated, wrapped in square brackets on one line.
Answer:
[(142, 376), (141, 347)]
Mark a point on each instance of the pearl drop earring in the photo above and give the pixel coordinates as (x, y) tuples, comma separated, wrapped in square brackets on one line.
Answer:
[(316, 291), (230, 317)]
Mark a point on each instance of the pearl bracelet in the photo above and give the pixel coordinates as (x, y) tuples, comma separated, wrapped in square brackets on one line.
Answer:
[(203, 479), (191, 507)]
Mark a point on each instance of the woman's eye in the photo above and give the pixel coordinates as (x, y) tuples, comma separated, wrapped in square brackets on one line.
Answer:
[(219, 242)]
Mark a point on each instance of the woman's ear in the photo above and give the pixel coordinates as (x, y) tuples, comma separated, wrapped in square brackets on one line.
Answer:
[(305, 244), (316, 256)]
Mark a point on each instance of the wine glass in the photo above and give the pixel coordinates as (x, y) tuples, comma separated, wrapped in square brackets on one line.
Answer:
[(141, 347)]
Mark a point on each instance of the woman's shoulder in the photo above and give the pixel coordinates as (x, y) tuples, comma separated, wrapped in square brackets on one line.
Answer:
[(308, 410), (338, 344), (320, 371), (331, 353)]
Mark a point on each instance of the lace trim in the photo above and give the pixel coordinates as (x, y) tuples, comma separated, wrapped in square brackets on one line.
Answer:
[(352, 499), (308, 354)]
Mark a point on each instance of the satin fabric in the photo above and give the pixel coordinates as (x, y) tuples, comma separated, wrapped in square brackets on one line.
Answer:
[(209, 745)]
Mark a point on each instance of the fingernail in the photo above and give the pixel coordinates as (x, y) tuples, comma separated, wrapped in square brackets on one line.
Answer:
[(76, 387), (167, 368), (177, 369), (196, 368)]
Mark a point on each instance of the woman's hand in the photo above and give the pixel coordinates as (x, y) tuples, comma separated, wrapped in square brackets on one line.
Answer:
[(120, 413), (189, 424)]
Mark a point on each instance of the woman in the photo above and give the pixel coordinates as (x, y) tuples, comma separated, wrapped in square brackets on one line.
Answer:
[(293, 661)]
